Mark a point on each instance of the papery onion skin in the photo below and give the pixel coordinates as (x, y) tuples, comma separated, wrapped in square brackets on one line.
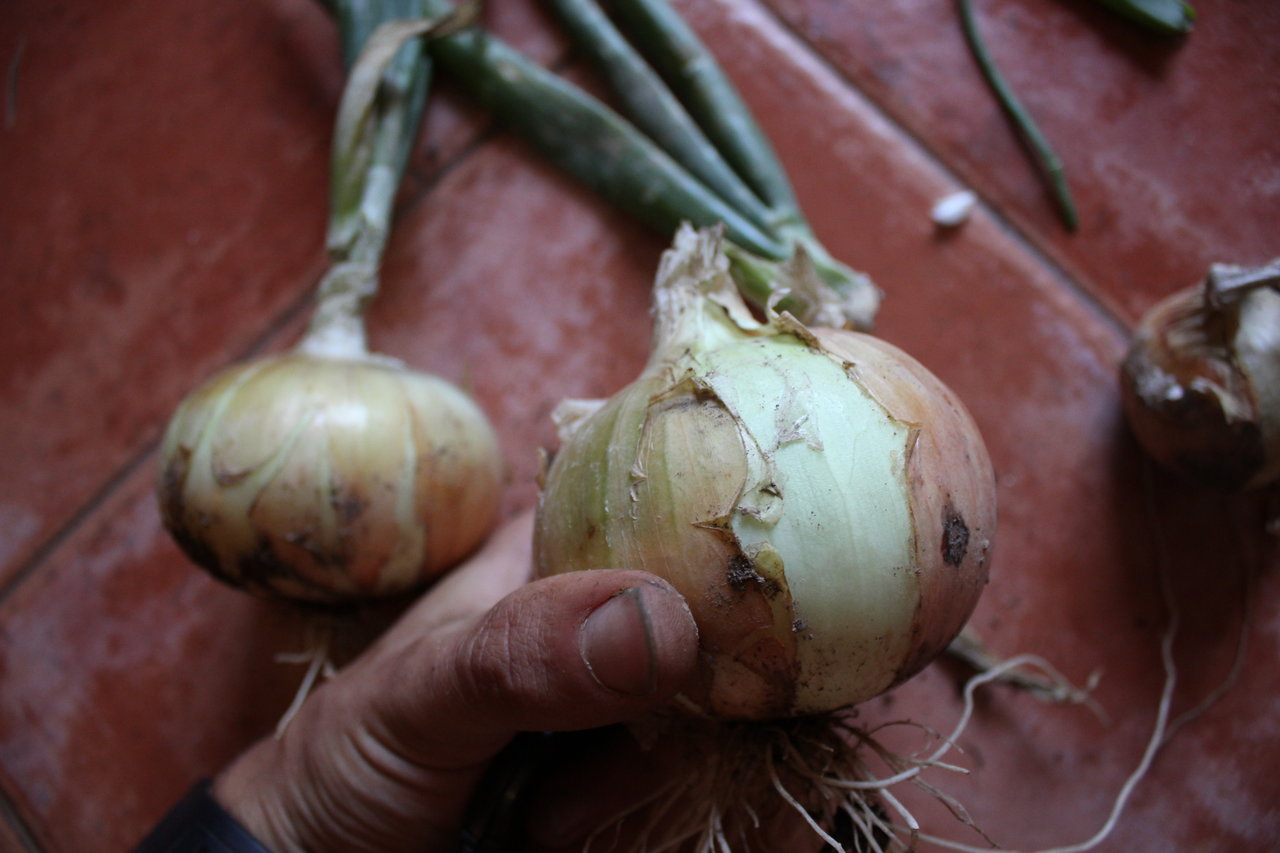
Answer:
[(328, 480), (951, 479), (825, 505), (1201, 387)]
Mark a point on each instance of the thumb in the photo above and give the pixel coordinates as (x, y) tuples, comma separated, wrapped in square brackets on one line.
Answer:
[(567, 652)]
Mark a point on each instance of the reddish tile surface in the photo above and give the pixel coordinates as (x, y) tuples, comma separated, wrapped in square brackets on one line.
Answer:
[(125, 671), (125, 674), (1168, 143), (164, 182)]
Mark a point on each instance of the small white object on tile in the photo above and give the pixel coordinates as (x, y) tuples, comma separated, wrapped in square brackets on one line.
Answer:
[(953, 210)]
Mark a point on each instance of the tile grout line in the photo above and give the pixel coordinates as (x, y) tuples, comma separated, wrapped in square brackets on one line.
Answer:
[(64, 531), (429, 182), (1059, 267)]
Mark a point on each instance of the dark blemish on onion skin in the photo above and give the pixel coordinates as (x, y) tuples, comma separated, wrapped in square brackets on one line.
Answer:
[(740, 572), (348, 504), (955, 536), (741, 575)]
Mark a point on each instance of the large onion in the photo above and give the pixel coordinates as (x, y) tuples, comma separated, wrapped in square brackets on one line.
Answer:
[(824, 503)]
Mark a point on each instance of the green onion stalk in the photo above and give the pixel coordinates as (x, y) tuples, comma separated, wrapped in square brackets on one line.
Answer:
[(1169, 17), (1046, 159), (688, 150), (330, 474)]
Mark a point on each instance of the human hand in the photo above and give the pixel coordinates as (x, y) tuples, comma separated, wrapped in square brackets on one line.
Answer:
[(387, 754)]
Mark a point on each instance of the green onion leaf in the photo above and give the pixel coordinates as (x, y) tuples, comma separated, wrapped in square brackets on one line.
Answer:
[(1166, 16)]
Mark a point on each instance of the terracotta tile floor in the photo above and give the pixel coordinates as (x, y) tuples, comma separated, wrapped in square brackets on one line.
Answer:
[(162, 198)]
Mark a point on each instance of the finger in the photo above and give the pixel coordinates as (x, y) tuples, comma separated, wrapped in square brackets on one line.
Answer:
[(568, 652)]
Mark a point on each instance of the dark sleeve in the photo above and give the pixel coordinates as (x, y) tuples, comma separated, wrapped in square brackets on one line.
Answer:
[(199, 824)]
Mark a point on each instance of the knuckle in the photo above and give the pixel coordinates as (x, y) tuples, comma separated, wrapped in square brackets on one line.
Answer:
[(501, 662)]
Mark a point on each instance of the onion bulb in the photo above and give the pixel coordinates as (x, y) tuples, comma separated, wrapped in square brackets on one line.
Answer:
[(825, 504), (1201, 380), (328, 473)]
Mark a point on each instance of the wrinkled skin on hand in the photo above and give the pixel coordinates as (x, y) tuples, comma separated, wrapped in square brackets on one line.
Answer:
[(387, 755)]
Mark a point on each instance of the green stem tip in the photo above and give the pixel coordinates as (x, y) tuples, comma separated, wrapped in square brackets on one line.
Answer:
[(1046, 158)]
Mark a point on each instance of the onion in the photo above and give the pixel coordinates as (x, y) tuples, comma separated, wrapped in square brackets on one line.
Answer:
[(823, 502), (1201, 381), (325, 479), (331, 474)]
